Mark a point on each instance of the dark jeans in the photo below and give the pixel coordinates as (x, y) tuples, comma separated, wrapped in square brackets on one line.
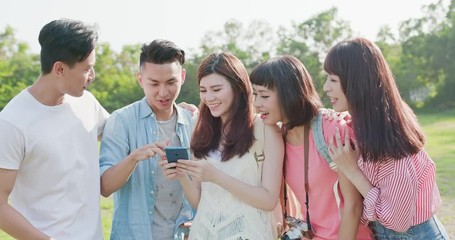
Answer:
[(431, 229)]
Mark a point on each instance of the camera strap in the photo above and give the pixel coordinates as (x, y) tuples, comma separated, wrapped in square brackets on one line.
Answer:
[(307, 187)]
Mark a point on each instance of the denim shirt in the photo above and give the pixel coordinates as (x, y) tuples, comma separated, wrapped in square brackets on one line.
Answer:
[(127, 129)]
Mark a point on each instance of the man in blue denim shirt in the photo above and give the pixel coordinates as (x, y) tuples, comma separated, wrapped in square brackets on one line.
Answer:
[(147, 205)]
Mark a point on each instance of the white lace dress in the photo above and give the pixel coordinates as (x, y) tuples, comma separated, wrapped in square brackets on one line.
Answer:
[(222, 216)]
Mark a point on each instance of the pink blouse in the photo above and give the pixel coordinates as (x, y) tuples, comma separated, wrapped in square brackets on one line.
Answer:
[(405, 192), (323, 208)]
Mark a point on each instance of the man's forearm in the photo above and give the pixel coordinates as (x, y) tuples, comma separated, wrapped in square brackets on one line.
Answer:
[(115, 177), (14, 224)]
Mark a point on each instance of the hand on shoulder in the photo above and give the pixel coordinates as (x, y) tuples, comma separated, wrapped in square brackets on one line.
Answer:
[(331, 115), (190, 107)]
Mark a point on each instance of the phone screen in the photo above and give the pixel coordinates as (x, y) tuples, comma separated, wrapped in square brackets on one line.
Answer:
[(175, 153)]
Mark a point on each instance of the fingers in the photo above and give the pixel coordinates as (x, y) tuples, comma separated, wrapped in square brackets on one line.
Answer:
[(338, 138), (344, 115), (336, 146), (354, 143), (329, 114), (161, 163), (184, 170), (161, 145), (169, 169), (188, 106), (150, 153), (165, 164), (331, 147), (187, 165), (143, 153), (200, 170), (347, 144), (331, 152), (154, 151), (171, 173), (156, 148)]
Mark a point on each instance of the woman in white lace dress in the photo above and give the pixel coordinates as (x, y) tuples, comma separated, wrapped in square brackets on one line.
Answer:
[(235, 176)]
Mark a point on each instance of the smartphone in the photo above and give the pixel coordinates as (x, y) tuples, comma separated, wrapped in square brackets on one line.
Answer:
[(175, 153)]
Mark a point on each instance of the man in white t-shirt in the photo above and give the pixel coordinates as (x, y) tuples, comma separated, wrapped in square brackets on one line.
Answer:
[(49, 175)]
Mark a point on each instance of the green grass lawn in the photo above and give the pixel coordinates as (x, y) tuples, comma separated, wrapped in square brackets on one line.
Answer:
[(107, 208), (440, 131)]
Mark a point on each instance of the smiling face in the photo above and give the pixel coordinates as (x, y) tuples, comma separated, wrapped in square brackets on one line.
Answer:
[(267, 104), (333, 89), (77, 78), (161, 84), (217, 94)]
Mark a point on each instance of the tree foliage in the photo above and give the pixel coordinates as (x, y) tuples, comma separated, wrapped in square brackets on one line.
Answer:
[(428, 56), (18, 68), (115, 84), (422, 56)]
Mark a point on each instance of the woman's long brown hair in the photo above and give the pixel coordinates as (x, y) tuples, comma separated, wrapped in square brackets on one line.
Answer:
[(236, 134)]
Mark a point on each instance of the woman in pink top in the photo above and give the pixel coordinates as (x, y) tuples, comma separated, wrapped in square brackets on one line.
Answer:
[(394, 174), (284, 92)]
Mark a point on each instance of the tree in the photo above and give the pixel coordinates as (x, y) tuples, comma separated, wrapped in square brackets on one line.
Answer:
[(18, 68), (422, 57), (429, 55), (115, 84), (251, 45)]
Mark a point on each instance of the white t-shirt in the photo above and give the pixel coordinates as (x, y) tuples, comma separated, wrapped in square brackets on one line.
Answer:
[(55, 150)]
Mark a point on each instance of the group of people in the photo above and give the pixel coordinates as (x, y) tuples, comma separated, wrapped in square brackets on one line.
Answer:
[(254, 143)]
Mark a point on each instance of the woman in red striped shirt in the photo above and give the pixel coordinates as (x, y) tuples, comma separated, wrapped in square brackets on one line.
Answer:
[(388, 164)]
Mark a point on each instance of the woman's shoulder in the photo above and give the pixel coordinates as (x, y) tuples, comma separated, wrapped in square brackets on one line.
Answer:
[(261, 128)]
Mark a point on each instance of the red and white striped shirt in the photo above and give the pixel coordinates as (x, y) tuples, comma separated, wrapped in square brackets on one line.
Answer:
[(404, 194)]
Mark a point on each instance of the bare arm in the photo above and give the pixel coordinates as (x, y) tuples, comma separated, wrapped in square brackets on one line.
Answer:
[(115, 177), (11, 221), (192, 189), (352, 210)]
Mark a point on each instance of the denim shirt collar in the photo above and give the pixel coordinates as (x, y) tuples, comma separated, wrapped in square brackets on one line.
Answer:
[(145, 110)]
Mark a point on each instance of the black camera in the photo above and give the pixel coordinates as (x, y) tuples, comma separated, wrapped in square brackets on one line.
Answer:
[(298, 229)]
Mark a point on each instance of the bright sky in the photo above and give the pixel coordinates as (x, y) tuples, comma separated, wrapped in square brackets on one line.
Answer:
[(186, 21)]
